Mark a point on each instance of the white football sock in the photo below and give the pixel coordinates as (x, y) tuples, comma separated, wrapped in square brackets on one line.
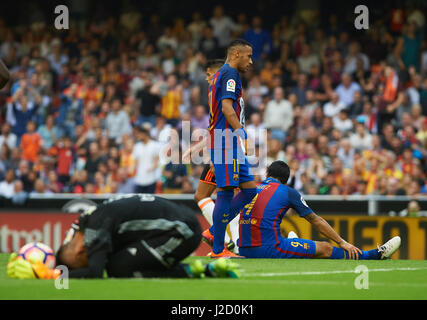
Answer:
[(234, 228), (207, 206)]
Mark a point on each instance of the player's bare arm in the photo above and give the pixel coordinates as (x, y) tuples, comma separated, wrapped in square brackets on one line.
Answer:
[(231, 117), (324, 228), (4, 74), (230, 114)]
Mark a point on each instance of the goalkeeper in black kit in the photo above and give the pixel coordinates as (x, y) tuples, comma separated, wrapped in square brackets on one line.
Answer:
[(137, 236)]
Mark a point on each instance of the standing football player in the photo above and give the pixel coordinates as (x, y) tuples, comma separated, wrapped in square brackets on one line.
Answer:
[(207, 184), (227, 138)]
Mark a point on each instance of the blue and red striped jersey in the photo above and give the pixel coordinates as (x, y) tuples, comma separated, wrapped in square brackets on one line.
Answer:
[(226, 84), (260, 220)]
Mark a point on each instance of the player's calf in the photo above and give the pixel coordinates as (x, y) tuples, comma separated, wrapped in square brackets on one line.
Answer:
[(323, 250)]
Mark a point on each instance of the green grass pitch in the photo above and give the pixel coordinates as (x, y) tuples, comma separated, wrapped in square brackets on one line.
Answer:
[(261, 279)]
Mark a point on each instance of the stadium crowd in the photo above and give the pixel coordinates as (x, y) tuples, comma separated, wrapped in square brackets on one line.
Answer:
[(87, 110)]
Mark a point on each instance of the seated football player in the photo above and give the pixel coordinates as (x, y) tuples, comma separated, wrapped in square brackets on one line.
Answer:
[(132, 236), (259, 230)]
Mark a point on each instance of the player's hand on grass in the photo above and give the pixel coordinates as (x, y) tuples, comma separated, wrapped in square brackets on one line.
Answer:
[(19, 268), (353, 252)]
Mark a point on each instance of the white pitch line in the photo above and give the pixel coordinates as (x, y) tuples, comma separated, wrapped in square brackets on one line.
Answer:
[(303, 273)]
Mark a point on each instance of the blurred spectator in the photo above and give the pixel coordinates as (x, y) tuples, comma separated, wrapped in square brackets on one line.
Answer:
[(278, 115), (94, 159), (7, 137), (148, 59), (353, 55), (342, 122), (255, 128), (175, 176), (167, 40), (91, 90), (117, 122), (161, 131), (169, 61), (362, 139), (70, 110), (346, 90), (391, 98), (57, 59), (20, 114), (223, 26), (49, 133), (255, 94), (148, 102), (146, 154), (275, 151), (19, 194), (171, 100), (208, 44), (412, 210), (6, 161), (125, 185), (31, 143), (127, 161), (53, 184), (7, 185), (259, 38), (411, 45), (300, 90), (346, 153), (334, 106), (307, 60), (65, 157), (200, 118), (196, 27), (40, 188), (422, 133), (394, 188)]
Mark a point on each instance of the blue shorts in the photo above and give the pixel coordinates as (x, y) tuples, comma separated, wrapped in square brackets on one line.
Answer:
[(231, 168), (294, 248)]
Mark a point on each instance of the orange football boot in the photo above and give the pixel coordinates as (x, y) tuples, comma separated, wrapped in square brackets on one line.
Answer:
[(207, 237), (225, 254)]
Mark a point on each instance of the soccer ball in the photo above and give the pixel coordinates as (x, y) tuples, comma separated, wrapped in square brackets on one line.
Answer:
[(37, 251)]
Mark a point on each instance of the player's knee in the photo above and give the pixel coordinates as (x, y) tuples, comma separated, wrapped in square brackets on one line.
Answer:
[(203, 193), (323, 249)]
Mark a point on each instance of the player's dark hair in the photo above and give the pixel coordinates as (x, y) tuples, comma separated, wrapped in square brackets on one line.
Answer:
[(237, 43), (279, 170), (214, 63)]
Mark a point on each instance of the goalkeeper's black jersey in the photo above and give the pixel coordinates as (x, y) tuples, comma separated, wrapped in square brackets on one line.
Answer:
[(116, 222)]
